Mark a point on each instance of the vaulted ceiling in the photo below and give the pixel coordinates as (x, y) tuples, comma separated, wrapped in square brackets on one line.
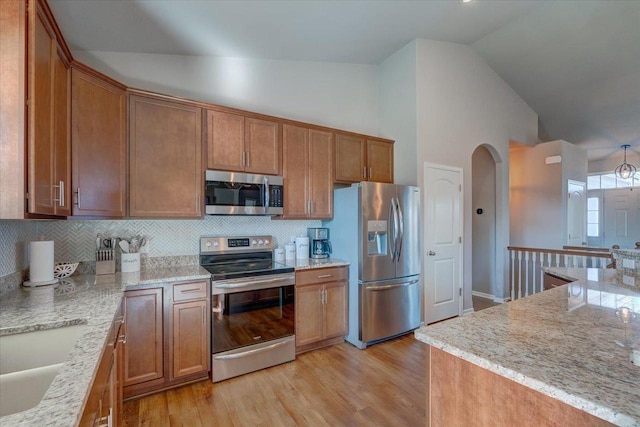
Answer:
[(576, 63)]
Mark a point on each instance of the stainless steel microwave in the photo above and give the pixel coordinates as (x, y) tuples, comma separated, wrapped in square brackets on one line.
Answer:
[(234, 193)]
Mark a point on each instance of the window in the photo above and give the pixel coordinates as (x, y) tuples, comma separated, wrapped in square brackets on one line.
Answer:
[(609, 180), (593, 217)]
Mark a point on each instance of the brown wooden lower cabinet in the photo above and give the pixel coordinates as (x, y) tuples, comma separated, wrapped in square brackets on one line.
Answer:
[(168, 341), (104, 403), (321, 307), (460, 393), (550, 281)]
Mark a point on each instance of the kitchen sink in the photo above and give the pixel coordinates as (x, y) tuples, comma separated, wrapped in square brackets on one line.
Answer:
[(29, 362)]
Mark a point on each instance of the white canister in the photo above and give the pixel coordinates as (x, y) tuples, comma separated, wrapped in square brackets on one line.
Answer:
[(290, 251), (278, 254), (130, 262), (302, 247)]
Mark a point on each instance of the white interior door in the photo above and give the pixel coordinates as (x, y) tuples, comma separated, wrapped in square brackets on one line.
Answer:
[(621, 217), (443, 242), (576, 213)]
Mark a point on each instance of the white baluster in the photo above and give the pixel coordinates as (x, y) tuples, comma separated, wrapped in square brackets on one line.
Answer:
[(519, 274), (526, 273), (557, 260), (513, 272)]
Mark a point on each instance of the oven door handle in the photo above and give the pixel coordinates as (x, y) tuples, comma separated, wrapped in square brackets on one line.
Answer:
[(248, 283), (249, 352), (267, 194)]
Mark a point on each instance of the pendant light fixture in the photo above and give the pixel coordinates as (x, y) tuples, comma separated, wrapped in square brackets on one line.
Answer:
[(625, 170)]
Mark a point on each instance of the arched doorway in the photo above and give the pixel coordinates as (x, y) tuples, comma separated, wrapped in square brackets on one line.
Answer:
[(485, 200)]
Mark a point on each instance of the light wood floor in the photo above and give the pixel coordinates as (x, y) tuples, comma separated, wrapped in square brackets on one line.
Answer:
[(383, 385), (480, 303)]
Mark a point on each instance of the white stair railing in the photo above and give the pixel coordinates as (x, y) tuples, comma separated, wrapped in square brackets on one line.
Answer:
[(526, 266)]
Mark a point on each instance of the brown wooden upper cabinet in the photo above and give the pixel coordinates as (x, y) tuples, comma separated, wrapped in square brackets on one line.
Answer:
[(358, 158), (307, 171), (165, 158), (49, 165), (98, 144), (243, 144)]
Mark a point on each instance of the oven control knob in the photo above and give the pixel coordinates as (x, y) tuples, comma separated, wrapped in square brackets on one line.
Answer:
[(208, 244), (254, 242), (215, 244), (260, 242), (266, 242)]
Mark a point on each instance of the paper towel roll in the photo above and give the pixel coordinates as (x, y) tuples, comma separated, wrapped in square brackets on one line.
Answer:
[(41, 261)]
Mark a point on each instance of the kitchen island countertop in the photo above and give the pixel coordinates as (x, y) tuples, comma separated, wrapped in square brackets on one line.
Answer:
[(567, 343)]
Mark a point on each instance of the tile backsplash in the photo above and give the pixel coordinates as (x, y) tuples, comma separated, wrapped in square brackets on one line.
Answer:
[(75, 240), (14, 245)]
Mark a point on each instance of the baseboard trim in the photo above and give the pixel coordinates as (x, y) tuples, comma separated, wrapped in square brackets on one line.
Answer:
[(467, 311), (501, 300), (482, 295)]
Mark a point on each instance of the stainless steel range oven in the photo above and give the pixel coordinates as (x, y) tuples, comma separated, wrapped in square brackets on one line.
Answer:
[(253, 313)]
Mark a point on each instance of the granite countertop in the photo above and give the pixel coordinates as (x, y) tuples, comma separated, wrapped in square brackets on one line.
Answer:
[(310, 263), (93, 301), (79, 299), (567, 343)]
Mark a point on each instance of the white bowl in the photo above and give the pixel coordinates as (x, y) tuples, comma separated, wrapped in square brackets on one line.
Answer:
[(64, 269)]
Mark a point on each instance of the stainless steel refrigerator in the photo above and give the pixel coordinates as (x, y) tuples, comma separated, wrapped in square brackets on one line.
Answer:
[(376, 226)]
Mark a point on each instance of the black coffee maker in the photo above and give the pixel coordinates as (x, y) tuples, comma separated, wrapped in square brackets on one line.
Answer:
[(319, 245)]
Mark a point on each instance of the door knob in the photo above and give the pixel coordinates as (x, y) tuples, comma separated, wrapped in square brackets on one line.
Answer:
[(431, 253)]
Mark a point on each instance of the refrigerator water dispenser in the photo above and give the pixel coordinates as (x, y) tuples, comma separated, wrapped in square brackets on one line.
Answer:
[(376, 238)]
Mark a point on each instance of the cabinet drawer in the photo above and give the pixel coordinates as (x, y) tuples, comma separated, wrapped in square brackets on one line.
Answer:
[(321, 275), (189, 291)]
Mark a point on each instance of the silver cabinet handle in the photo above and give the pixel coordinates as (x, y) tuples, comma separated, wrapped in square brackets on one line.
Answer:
[(77, 192), (324, 276), (122, 339), (186, 291), (431, 253), (364, 172), (60, 198)]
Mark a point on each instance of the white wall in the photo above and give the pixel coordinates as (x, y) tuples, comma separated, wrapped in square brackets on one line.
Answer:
[(538, 201), (397, 111), (344, 96), (484, 225), (461, 104)]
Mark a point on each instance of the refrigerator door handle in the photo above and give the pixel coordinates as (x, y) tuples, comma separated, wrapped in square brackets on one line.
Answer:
[(401, 223), (396, 255), (392, 225)]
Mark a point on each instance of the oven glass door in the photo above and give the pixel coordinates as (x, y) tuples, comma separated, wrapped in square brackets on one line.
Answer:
[(244, 318)]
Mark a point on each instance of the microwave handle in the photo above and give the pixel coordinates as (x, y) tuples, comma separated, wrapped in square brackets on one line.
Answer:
[(267, 194)]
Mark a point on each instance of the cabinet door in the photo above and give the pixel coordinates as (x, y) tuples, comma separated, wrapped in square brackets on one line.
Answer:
[(349, 159), (309, 314), (61, 137), (335, 310), (295, 170), (262, 147), (143, 350), (190, 338), (41, 150), (165, 159), (225, 141), (380, 161), (320, 174), (98, 144)]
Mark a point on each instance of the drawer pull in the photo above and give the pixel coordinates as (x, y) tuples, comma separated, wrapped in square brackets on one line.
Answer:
[(186, 291), (324, 276)]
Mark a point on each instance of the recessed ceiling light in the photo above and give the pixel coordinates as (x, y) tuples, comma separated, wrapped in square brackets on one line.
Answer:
[(466, 1)]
